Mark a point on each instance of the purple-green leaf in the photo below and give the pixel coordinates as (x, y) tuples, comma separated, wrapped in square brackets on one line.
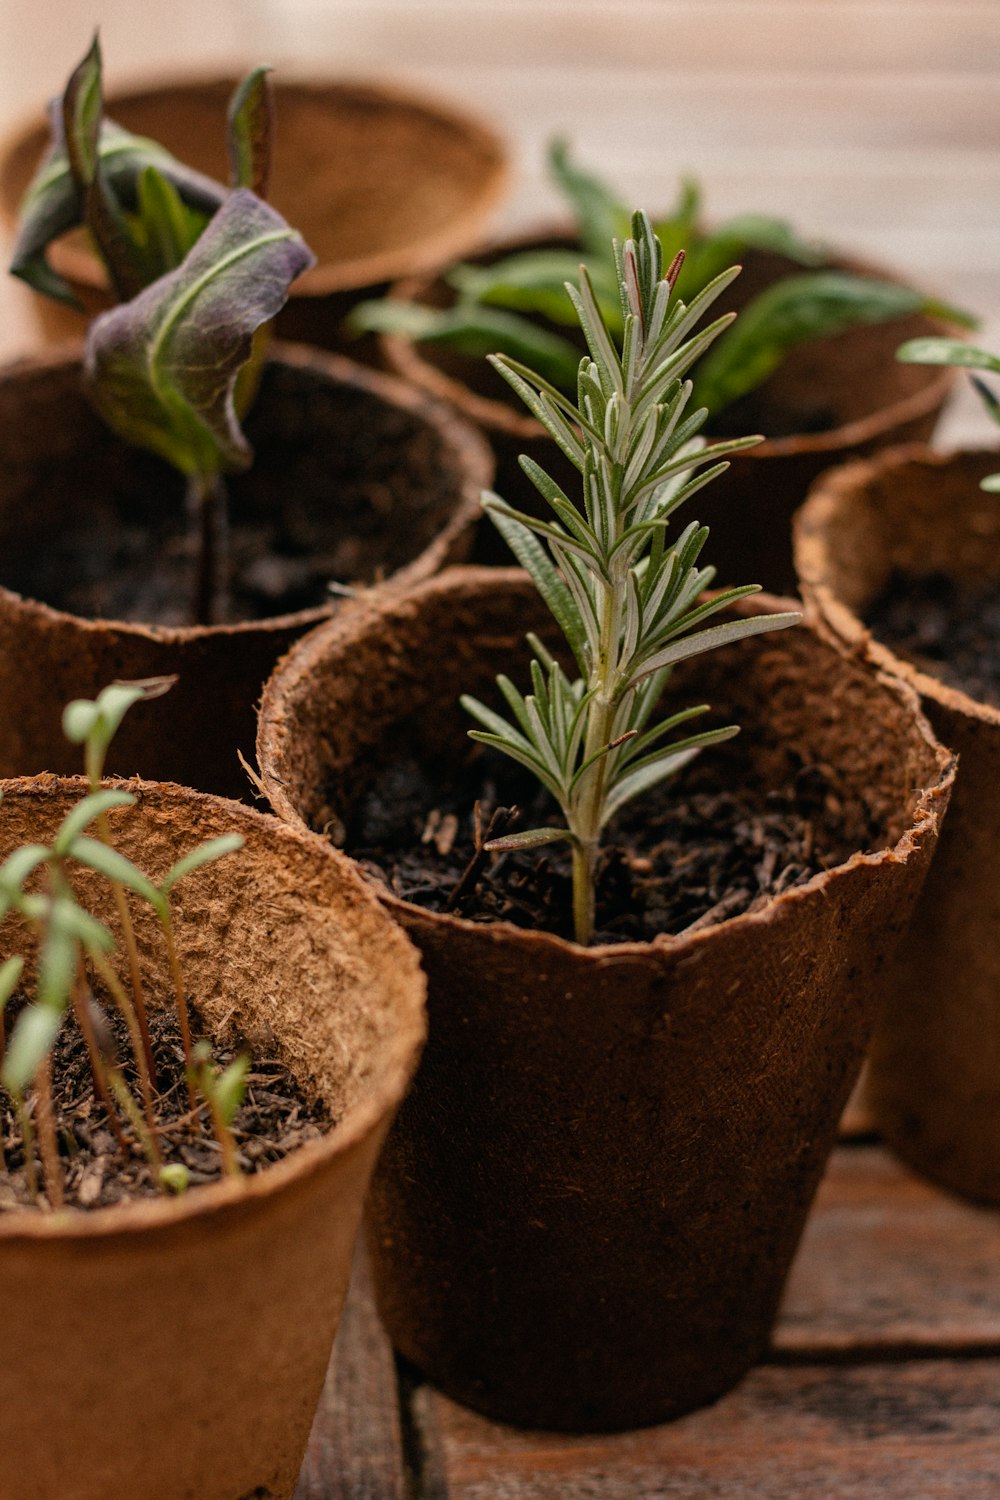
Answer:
[(162, 369), (52, 205), (250, 126)]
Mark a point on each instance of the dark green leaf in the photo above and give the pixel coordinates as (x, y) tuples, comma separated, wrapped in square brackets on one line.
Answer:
[(792, 311), (600, 217), (162, 369)]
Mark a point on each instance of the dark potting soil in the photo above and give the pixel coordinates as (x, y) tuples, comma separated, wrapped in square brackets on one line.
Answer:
[(703, 846), (273, 1120), (344, 488), (949, 630)]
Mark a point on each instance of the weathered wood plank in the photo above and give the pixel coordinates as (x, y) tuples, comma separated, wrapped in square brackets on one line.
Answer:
[(355, 1450), (889, 1263), (920, 1431)]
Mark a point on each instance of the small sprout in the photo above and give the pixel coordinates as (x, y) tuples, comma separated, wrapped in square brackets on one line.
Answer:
[(223, 1090), (175, 1178), (629, 604)]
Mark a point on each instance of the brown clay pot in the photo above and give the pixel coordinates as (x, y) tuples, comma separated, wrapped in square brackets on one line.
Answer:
[(585, 1215), (178, 1347), (380, 478), (934, 1077), (842, 395), (380, 181)]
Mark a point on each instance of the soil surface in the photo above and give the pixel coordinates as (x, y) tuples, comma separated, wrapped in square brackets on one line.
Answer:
[(705, 845), (948, 630), (344, 488), (272, 1121)]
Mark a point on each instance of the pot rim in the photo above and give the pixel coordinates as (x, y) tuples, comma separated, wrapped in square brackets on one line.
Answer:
[(468, 447), (234, 1198), (404, 356), (824, 606), (76, 263), (291, 676)]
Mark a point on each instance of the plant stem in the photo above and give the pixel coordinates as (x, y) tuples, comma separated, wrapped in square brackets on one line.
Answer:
[(123, 1003), (47, 1143), (82, 1013), (590, 802), (180, 999), (28, 1141), (131, 949), (206, 499)]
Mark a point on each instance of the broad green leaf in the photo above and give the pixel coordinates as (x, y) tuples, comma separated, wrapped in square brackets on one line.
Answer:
[(600, 217), (249, 127), (162, 369), (32, 1040), (533, 282), (473, 331), (793, 311), (942, 351), (729, 243), (212, 849), (84, 813), (164, 228)]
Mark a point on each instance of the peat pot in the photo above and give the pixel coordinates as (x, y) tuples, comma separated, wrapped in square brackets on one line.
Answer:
[(841, 395), (356, 477), (585, 1215), (379, 180), (169, 1348), (934, 1078)]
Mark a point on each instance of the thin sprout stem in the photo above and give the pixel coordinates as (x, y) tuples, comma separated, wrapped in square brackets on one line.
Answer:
[(147, 1137), (86, 1025), (132, 951), (180, 998), (206, 498), (47, 1141), (124, 1004), (28, 1139)]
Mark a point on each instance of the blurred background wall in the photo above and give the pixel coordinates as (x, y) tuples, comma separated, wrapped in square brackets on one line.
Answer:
[(874, 124)]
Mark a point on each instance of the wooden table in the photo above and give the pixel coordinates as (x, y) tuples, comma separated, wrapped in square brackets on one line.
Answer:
[(883, 1382)]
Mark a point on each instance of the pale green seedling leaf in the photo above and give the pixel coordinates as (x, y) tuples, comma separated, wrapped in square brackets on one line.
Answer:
[(84, 813), (117, 867), (162, 369), (10, 978), (212, 849), (230, 1087), (30, 1044)]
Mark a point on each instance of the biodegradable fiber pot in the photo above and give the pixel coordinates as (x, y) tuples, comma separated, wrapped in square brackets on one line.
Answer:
[(356, 477), (841, 395), (934, 1078), (172, 1348), (380, 182), (585, 1214)]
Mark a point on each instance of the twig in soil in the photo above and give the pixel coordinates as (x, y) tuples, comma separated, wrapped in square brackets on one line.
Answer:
[(500, 822)]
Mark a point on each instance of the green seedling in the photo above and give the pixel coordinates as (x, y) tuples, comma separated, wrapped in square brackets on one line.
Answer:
[(941, 351), (74, 957), (629, 604), (516, 305), (223, 1090), (199, 272)]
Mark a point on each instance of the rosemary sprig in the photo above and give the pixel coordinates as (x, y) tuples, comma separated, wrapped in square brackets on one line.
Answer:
[(629, 604)]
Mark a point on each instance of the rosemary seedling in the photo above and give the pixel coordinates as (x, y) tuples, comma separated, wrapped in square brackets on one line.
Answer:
[(629, 605)]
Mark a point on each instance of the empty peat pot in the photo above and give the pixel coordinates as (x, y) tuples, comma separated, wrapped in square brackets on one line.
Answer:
[(830, 399), (934, 1077), (355, 477), (379, 180), (585, 1214), (162, 1348)]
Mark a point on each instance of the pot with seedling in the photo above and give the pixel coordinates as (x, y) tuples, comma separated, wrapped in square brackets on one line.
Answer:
[(899, 559), (810, 361), (199, 1056), (650, 987), (382, 181), (137, 540)]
